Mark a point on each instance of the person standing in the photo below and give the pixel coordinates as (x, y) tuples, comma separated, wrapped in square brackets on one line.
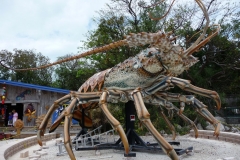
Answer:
[(15, 117), (10, 119)]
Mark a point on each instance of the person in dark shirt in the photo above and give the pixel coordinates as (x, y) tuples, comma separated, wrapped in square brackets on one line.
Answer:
[(10, 120)]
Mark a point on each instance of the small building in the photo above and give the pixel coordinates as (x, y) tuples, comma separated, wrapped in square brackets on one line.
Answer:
[(22, 96)]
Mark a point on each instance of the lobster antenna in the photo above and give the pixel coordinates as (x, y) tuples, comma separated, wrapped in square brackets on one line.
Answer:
[(159, 18), (196, 45), (207, 39), (91, 52)]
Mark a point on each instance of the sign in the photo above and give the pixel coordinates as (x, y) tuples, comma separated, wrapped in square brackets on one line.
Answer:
[(132, 117), (58, 112)]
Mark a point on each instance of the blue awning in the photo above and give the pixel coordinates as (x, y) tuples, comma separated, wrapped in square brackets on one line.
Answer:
[(26, 85)]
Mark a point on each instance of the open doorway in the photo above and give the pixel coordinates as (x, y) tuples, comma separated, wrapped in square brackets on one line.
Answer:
[(18, 108)]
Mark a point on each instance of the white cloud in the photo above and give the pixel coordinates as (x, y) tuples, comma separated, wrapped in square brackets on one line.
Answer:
[(53, 28)]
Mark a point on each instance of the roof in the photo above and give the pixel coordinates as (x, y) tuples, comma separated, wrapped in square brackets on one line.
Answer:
[(27, 85)]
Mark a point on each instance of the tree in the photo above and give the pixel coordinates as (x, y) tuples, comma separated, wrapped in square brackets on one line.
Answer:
[(27, 59), (5, 73), (70, 75)]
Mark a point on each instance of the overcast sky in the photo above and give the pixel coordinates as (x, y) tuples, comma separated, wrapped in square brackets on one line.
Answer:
[(52, 27)]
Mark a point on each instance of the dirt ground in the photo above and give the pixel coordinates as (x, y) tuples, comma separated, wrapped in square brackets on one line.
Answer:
[(203, 149)]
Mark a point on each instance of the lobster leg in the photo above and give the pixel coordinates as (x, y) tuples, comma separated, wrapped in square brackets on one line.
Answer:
[(81, 98), (57, 122), (170, 126), (67, 123), (186, 119), (187, 86), (157, 100), (114, 123), (144, 116), (67, 113), (201, 109), (168, 82), (182, 116), (43, 126), (198, 106)]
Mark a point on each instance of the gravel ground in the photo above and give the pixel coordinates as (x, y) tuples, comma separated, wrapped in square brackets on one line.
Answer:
[(204, 149)]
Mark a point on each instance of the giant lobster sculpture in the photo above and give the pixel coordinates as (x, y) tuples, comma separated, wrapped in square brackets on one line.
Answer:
[(145, 78)]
